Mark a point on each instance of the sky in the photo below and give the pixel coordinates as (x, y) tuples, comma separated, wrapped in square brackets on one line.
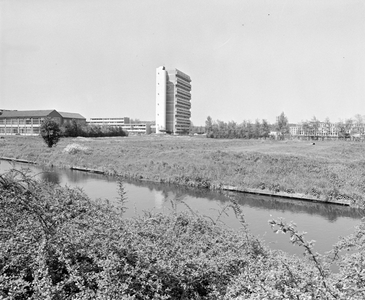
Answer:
[(248, 59)]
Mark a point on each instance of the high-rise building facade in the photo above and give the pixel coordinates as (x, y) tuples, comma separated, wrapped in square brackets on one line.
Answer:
[(172, 101)]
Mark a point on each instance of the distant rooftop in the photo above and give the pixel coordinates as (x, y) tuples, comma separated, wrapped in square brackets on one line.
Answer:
[(71, 115), (37, 114)]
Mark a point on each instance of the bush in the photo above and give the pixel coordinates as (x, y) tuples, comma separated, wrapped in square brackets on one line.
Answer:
[(50, 132), (55, 243), (74, 129)]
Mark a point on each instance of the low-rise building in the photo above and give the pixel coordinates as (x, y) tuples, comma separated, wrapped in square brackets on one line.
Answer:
[(109, 121), (28, 122), (139, 128), (123, 122), (326, 130)]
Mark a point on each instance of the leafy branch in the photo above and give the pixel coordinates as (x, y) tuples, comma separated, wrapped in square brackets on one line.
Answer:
[(297, 238)]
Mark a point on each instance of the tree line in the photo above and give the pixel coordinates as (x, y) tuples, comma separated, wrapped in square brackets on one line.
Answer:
[(74, 129), (280, 129), (246, 129), (51, 131)]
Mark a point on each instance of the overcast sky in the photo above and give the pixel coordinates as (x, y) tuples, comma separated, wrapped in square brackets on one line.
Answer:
[(247, 59)]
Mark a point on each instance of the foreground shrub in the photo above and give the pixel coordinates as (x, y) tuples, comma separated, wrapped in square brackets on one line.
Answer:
[(55, 243)]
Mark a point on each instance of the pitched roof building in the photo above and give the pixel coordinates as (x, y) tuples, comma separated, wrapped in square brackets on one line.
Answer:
[(28, 122)]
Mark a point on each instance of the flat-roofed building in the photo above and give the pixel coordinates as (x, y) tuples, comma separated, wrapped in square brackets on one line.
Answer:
[(28, 122), (325, 130), (109, 121), (173, 101), (139, 128), (124, 122)]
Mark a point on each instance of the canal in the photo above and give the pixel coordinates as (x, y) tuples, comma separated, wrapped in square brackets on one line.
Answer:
[(324, 223)]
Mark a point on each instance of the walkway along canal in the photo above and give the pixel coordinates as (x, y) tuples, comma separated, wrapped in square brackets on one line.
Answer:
[(323, 222)]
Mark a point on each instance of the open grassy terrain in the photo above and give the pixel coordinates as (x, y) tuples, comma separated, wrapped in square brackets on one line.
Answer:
[(331, 169)]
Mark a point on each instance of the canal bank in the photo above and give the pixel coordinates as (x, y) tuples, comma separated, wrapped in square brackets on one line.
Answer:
[(294, 196), (324, 223), (328, 172)]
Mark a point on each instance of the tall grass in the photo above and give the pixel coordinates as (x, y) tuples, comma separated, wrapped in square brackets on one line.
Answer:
[(327, 169)]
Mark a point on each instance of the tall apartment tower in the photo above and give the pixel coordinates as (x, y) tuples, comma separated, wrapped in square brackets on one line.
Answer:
[(172, 101)]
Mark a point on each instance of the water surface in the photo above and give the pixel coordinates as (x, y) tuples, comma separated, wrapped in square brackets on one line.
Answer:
[(322, 222)]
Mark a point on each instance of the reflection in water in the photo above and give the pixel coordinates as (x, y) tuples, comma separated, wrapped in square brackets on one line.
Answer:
[(80, 177), (329, 211), (50, 176), (323, 222), (159, 199), (163, 193)]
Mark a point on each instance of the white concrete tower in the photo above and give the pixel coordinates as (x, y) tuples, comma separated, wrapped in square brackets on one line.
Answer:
[(173, 101), (161, 78)]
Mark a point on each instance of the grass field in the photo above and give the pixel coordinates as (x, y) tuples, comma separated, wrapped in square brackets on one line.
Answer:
[(330, 169)]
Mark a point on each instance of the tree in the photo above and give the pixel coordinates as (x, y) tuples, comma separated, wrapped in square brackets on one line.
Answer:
[(282, 125), (327, 126), (265, 129), (359, 120), (341, 129), (315, 126), (72, 129), (232, 128), (209, 126), (306, 128), (348, 125), (249, 130), (222, 128), (257, 129), (50, 132), (358, 124)]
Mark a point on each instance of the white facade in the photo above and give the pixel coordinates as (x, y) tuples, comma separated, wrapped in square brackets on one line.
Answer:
[(325, 130), (123, 122), (109, 121), (161, 80), (172, 101), (28, 122), (21, 126), (142, 128)]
